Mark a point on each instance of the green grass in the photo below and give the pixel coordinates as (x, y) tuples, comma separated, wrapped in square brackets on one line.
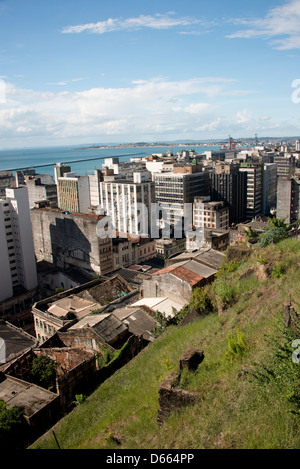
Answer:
[(232, 411)]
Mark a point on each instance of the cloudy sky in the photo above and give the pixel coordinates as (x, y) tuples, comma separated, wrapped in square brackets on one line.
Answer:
[(74, 71)]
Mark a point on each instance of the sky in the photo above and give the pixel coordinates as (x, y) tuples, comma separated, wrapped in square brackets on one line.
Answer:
[(89, 72)]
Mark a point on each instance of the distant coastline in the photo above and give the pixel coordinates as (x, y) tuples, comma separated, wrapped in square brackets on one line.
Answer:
[(146, 145)]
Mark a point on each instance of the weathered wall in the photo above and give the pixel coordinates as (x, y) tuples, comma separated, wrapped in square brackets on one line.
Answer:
[(167, 285), (68, 240)]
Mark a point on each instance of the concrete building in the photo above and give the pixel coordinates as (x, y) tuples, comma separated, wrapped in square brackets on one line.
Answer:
[(286, 165), (18, 267), (124, 169), (73, 193), (132, 250), (179, 187), (38, 191), (178, 280), (209, 214), (254, 173), (124, 201), (269, 187), (6, 180), (70, 240), (167, 247), (229, 185), (288, 199)]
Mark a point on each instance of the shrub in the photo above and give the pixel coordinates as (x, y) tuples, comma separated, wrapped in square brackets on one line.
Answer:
[(225, 292), (278, 270), (236, 346), (79, 399), (11, 426)]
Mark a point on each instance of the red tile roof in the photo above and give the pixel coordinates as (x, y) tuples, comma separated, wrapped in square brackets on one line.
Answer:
[(181, 272)]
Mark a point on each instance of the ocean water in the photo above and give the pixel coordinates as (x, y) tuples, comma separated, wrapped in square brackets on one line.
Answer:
[(43, 159)]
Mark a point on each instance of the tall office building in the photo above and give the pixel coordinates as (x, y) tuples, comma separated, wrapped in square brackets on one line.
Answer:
[(254, 189), (269, 187), (17, 260), (229, 185), (178, 187)]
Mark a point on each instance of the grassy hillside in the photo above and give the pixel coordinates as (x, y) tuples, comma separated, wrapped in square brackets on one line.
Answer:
[(234, 409)]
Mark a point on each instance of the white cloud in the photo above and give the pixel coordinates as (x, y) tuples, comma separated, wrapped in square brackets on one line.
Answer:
[(158, 21), (243, 116), (197, 108), (280, 25), (152, 108)]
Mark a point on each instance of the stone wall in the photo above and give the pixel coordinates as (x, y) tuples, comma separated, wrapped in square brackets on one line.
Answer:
[(171, 397)]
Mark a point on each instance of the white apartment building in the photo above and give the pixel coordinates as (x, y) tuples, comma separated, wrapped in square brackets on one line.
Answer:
[(17, 259), (125, 200)]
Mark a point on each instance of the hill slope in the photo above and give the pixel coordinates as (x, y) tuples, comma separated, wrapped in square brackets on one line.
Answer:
[(234, 409)]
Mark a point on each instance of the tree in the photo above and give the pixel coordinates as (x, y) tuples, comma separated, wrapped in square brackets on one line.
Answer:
[(11, 425), (276, 231), (43, 371)]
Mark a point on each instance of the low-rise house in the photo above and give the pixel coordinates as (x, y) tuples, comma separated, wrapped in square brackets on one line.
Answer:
[(139, 321), (65, 309), (178, 281)]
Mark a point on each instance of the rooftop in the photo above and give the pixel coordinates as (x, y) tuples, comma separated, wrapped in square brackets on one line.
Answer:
[(164, 305), (138, 321), (16, 340), (107, 326), (16, 392), (182, 272)]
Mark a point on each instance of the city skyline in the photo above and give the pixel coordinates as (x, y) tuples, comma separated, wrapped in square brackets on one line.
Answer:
[(74, 72)]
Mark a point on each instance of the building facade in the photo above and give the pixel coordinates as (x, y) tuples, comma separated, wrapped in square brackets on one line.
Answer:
[(288, 199), (124, 201), (18, 267), (175, 189), (254, 173), (230, 186), (73, 193), (269, 188)]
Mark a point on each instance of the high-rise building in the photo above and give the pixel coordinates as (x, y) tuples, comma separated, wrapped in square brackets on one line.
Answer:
[(17, 260), (124, 200), (269, 187), (297, 145), (73, 193), (175, 189), (286, 165), (254, 189), (288, 199), (229, 185)]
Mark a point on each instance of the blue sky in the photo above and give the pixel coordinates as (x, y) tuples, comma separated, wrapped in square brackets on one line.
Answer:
[(74, 71)]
